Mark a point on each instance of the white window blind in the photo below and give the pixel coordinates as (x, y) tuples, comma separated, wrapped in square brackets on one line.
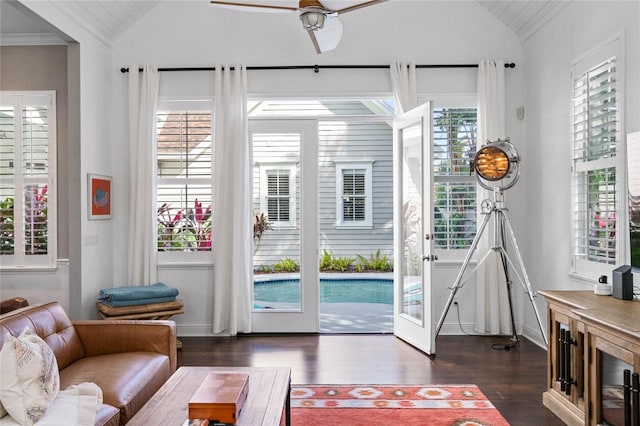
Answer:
[(184, 183), (27, 179), (595, 145), (454, 143)]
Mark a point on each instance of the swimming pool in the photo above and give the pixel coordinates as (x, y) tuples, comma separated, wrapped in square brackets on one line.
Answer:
[(332, 290)]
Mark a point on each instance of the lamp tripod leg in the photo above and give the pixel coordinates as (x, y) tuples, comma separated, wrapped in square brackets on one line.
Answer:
[(525, 278), (467, 259), (504, 260)]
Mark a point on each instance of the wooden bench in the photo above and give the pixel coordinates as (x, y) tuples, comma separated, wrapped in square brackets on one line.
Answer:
[(152, 311)]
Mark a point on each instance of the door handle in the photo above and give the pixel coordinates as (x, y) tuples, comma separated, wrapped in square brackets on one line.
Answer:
[(432, 257)]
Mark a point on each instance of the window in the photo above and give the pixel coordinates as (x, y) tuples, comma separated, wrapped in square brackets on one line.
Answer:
[(595, 187), (184, 169), (354, 197), (454, 143), (27, 179), (278, 195), (278, 190)]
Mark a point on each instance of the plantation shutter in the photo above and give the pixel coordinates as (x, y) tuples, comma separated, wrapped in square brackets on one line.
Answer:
[(27, 179), (35, 172), (454, 144), (595, 129), (353, 195), (184, 195), (278, 195)]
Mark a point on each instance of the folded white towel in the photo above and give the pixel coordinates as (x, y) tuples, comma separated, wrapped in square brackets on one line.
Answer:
[(75, 406)]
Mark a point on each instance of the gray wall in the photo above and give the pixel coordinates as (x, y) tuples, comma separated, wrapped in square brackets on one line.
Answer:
[(44, 68)]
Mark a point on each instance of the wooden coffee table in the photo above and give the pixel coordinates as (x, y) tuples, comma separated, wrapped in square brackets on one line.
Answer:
[(269, 396)]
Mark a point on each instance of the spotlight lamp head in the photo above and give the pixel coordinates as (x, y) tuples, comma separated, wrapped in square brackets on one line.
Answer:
[(497, 165)]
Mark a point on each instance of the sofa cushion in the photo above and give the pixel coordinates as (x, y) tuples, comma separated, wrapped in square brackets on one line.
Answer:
[(51, 323), (127, 380), (108, 415), (30, 379)]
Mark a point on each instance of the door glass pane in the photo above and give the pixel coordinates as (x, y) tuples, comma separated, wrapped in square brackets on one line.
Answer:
[(276, 231), (412, 222)]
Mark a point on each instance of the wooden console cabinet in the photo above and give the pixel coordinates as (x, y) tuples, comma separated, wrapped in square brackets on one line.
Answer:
[(588, 334)]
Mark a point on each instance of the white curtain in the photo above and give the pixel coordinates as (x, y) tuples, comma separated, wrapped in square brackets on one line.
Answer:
[(232, 198), (403, 83), (492, 305), (143, 97)]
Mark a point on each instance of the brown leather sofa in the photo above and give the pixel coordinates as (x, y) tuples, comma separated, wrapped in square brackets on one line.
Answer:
[(128, 359)]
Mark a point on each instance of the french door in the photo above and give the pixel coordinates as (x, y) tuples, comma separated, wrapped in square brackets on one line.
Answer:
[(285, 157), (413, 234)]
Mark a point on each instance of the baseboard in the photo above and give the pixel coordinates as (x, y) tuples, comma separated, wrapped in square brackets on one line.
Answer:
[(456, 329), (534, 334), (197, 330)]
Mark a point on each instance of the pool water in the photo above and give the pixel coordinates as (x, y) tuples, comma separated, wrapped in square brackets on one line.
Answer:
[(354, 290)]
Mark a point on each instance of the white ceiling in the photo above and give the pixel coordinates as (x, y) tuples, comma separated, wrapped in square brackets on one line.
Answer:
[(523, 17), (108, 19)]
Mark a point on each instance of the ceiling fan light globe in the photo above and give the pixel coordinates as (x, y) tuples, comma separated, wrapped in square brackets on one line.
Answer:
[(312, 20)]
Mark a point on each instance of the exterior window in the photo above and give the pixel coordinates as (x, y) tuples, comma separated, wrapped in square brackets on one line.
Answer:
[(595, 187), (454, 142), (27, 179), (184, 184), (354, 203), (278, 193)]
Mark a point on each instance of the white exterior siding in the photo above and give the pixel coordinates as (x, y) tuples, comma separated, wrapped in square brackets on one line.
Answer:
[(350, 140), (363, 141)]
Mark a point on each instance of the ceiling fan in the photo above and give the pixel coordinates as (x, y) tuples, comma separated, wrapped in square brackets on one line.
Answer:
[(320, 21)]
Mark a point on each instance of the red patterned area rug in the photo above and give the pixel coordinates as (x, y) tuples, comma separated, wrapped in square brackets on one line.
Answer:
[(366, 405)]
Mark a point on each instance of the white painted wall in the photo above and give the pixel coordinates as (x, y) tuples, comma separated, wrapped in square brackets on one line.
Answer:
[(189, 34), (548, 55)]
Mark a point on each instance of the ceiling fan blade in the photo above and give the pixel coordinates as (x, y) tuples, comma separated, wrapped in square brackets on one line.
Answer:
[(272, 7), (327, 38), (359, 6)]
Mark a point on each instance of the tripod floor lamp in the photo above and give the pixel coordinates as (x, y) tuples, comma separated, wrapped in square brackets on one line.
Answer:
[(497, 169)]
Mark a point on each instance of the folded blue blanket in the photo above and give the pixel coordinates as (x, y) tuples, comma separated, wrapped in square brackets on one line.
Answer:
[(148, 301), (137, 292)]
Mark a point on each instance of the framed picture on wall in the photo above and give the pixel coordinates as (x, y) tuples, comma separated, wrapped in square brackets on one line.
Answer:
[(99, 188)]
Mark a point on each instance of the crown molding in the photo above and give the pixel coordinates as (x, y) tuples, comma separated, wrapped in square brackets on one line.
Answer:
[(31, 39)]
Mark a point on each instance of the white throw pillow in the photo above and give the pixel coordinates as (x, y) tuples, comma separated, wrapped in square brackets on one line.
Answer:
[(30, 377)]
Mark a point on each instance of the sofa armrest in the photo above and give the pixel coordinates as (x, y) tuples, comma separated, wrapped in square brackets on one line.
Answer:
[(100, 337)]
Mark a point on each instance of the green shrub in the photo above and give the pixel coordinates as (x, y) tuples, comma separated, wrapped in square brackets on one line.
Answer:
[(266, 269), (342, 264), (326, 261), (376, 262), (286, 265)]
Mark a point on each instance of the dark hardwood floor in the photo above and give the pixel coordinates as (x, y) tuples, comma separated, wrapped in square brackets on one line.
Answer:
[(512, 379)]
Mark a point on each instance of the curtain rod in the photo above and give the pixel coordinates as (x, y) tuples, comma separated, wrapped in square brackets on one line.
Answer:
[(317, 68)]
